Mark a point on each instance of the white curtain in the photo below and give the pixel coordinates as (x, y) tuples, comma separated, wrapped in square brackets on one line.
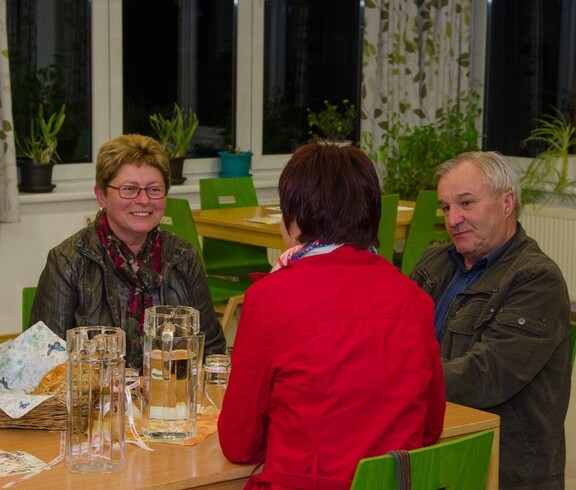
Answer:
[(416, 60), (8, 173)]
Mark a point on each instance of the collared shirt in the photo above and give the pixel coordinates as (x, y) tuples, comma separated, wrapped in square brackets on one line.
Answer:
[(461, 281)]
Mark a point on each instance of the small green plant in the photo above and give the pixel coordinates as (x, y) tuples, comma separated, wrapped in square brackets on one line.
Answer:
[(331, 123), (409, 154), (40, 145), (234, 150), (175, 132), (548, 172)]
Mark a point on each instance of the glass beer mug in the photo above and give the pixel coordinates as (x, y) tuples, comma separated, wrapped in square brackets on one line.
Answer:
[(173, 348), (95, 439)]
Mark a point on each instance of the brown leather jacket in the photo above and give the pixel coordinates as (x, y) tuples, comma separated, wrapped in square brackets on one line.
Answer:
[(78, 287), (506, 349)]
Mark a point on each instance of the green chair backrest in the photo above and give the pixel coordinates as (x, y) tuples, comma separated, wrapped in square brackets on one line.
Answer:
[(572, 343), (387, 226), (457, 464), (423, 229), (178, 219), (231, 192), (28, 295), (222, 257)]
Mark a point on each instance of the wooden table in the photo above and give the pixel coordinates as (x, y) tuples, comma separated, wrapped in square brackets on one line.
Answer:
[(232, 224), (460, 420), (202, 466)]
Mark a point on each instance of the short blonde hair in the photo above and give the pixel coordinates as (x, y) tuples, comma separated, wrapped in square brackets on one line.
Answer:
[(130, 148)]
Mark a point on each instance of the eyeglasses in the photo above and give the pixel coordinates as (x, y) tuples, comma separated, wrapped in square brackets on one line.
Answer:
[(133, 191)]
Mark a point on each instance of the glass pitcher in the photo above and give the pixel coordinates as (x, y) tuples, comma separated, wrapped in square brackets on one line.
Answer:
[(95, 440), (173, 349)]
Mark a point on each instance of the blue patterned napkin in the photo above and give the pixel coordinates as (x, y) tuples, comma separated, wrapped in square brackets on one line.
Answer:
[(23, 362)]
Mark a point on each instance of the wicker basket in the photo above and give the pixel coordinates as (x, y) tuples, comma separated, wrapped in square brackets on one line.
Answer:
[(49, 415)]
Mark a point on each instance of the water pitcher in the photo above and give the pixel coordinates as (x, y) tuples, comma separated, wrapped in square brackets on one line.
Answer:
[(95, 440), (173, 348)]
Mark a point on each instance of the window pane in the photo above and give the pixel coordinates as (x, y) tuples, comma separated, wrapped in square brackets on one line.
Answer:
[(311, 55), (179, 52), (49, 45), (531, 60)]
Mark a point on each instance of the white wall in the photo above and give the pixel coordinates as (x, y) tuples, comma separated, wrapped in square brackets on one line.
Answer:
[(25, 244)]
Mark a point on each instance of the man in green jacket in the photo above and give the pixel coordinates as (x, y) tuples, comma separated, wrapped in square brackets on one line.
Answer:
[(502, 317)]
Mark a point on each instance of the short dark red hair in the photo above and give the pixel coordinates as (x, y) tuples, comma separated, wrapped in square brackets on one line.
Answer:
[(332, 193)]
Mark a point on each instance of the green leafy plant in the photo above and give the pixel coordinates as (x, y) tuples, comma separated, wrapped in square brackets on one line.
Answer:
[(234, 150), (409, 154), (40, 145), (548, 172), (331, 123), (175, 132)]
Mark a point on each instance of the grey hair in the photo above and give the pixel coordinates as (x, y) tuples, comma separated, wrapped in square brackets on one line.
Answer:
[(500, 174)]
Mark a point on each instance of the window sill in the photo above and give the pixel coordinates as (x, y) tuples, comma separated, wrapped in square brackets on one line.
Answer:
[(75, 182)]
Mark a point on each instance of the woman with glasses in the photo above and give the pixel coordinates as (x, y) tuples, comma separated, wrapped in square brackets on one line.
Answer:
[(111, 271)]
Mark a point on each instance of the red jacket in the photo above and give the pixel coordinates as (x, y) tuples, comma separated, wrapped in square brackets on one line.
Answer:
[(334, 360)]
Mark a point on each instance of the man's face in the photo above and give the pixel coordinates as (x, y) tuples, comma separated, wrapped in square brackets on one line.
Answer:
[(477, 221)]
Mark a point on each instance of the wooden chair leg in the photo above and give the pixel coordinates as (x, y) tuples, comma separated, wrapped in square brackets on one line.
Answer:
[(233, 303)]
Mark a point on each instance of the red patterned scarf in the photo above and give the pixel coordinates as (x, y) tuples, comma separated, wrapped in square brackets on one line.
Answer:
[(142, 272)]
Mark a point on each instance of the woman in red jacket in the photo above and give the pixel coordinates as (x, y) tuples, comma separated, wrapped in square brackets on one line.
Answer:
[(335, 357)]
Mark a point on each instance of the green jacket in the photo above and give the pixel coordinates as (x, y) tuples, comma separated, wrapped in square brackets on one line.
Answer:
[(506, 350), (78, 287)]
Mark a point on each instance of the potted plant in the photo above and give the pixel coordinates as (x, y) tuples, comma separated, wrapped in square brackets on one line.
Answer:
[(38, 151), (331, 124), (551, 174), (409, 154), (175, 133), (235, 162)]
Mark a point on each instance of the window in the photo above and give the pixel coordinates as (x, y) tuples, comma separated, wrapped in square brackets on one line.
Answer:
[(206, 55), (180, 52), (312, 54), (530, 60), (50, 65), (250, 69)]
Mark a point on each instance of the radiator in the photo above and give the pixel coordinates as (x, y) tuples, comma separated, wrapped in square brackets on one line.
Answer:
[(554, 228)]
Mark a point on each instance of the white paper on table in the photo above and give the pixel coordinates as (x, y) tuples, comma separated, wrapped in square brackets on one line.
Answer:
[(271, 219), (18, 462)]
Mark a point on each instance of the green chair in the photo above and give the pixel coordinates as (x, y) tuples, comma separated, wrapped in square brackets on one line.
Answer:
[(572, 343), (223, 257), (423, 229), (456, 464), (387, 226), (227, 294), (178, 219), (28, 295)]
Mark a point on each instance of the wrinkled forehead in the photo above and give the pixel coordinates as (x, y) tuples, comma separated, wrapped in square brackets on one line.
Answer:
[(464, 180)]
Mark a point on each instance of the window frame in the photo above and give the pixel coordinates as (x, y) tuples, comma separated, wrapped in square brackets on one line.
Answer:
[(107, 115)]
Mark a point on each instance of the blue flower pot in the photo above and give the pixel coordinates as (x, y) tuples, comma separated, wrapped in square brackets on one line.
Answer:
[(235, 164)]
